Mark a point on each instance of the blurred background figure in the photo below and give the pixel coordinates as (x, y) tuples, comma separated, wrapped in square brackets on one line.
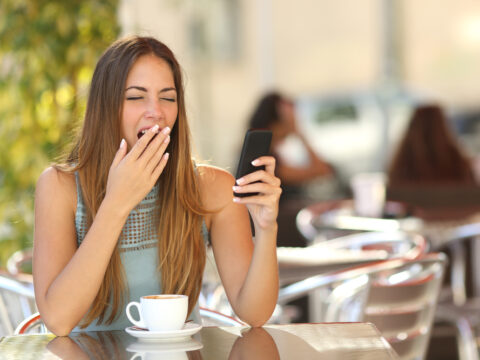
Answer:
[(276, 112), (430, 171), (429, 152)]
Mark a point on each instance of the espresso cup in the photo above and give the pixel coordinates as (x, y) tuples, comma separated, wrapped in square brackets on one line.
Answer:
[(160, 312)]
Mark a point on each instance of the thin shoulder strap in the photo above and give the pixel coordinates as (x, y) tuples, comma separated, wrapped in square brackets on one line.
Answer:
[(79, 190)]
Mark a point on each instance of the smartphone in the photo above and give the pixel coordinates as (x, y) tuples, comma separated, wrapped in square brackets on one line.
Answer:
[(256, 144)]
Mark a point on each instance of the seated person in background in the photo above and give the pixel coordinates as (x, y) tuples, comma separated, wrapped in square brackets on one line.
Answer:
[(277, 113), (428, 161)]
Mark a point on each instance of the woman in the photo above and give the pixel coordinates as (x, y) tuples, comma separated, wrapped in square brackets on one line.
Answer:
[(277, 113), (429, 153), (128, 213)]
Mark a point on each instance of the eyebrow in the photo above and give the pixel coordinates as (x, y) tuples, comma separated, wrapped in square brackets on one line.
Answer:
[(141, 88)]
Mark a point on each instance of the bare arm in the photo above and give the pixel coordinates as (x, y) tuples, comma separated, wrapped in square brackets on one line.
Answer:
[(67, 279), (294, 175), (249, 271)]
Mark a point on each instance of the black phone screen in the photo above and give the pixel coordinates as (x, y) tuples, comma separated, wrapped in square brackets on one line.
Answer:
[(256, 144)]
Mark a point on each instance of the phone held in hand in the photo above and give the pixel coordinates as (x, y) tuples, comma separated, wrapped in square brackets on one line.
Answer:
[(256, 144)]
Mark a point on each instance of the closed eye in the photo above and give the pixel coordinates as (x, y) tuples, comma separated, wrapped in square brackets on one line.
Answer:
[(134, 97), (169, 99)]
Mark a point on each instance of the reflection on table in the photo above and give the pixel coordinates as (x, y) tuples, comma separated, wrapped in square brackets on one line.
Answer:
[(302, 341)]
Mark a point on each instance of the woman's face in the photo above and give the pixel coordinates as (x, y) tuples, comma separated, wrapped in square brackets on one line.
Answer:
[(150, 98)]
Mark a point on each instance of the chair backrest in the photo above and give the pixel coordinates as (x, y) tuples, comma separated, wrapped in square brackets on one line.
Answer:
[(17, 301), (340, 297), (305, 219), (33, 324), (395, 244), (401, 298), (402, 302), (333, 219)]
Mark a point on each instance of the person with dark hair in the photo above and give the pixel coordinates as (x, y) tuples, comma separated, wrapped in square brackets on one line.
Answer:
[(277, 113), (430, 172), (429, 152), (128, 213)]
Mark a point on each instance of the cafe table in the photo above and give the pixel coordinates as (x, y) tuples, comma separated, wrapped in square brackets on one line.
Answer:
[(293, 341)]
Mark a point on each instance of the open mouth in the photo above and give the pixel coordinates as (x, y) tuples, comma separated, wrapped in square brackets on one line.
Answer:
[(141, 133)]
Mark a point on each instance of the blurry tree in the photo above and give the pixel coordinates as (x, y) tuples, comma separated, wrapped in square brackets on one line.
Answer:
[(48, 49)]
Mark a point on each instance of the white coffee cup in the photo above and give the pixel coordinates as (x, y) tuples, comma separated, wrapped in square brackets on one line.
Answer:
[(160, 312), (368, 193)]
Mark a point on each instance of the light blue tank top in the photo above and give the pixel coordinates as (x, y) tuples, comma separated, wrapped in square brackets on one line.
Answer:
[(138, 252)]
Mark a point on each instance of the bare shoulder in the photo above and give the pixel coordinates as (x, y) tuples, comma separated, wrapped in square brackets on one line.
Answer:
[(54, 185), (215, 186)]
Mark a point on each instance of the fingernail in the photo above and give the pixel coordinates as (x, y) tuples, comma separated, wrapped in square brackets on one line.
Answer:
[(236, 188), (236, 199), (240, 181), (122, 143), (166, 130), (166, 156), (167, 140), (255, 162), (155, 128)]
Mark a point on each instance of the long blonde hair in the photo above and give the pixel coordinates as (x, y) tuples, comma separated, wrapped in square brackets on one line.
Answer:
[(181, 252)]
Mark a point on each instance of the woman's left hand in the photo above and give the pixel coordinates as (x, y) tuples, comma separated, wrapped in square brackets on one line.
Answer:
[(262, 207)]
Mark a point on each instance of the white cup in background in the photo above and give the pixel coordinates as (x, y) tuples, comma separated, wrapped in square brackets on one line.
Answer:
[(160, 312), (368, 193)]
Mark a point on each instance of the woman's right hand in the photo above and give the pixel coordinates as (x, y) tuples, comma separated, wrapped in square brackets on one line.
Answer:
[(132, 175)]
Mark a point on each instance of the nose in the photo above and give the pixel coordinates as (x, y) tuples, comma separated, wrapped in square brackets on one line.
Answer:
[(154, 110)]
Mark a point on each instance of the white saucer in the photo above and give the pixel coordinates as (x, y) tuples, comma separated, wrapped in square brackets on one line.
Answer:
[(165, 347), (188, 330)]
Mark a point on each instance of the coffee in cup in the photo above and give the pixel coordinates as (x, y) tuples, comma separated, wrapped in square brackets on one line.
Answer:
[(160, 312)]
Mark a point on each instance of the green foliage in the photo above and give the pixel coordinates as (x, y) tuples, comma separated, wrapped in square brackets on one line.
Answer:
[(48, 49)]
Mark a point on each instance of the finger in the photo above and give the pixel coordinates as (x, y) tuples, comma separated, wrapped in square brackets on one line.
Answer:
[(121, 152), (156, 148), (143, 142), (267, 161), (256, 200), (261, 188), (160, 166), (260, 175), (157, 155)]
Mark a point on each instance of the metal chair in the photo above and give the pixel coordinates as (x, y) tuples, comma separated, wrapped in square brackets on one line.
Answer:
[(33, 324), (456, 308), (337, 218), (401, 300), (17, 301), (395, 244), (341, 296)]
